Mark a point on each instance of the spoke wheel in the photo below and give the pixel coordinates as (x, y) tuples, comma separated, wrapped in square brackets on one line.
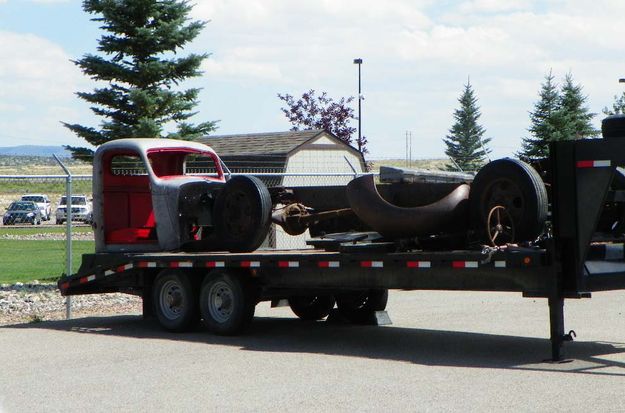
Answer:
[(500, 226), (515, 186)]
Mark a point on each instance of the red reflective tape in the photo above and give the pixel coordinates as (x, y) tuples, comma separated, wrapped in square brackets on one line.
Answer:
[(250, 264), (329, 264), (418, 264), (594, 164), (288, 264), (174, 264), (372, 264), (121, 268), (83, 280), (146, 264), (464, 264), (64, 286)]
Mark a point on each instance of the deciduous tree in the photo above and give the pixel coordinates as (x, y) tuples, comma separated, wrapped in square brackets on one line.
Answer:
[(322, 112)]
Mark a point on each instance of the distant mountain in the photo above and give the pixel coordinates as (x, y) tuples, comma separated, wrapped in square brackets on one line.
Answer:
[(34, 150)]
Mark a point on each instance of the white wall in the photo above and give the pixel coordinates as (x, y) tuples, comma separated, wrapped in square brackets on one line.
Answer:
[(321, 161)]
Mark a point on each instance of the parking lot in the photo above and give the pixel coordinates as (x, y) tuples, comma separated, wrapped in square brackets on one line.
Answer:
[(446, 351)]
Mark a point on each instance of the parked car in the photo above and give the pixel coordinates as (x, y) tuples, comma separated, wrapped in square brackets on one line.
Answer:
[(81, 209), (42, 201), (22, 212)]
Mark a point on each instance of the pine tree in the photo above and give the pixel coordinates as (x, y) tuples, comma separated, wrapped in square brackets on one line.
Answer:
[(465, 145), (137, 63), (575, 116), (546, 122), (558, 115)]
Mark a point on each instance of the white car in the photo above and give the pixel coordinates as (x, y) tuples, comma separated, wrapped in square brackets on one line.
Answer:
[(43, 203), (81, 209)]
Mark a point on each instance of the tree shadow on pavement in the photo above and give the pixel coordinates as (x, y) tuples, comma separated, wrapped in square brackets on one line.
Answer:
[(413, 345)]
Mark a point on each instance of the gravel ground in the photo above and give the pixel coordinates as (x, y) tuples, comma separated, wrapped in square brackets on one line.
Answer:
[(33, 302)]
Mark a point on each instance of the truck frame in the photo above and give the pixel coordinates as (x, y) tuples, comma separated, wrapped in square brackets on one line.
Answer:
[(223, 288)]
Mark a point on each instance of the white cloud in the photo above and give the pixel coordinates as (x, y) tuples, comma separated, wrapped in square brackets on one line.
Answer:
[(417, 55), (36, 78)]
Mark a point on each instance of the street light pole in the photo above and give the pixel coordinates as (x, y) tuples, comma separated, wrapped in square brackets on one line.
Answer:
[(359, 62)]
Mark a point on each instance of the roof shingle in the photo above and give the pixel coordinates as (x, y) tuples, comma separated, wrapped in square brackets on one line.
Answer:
[(274, 143)]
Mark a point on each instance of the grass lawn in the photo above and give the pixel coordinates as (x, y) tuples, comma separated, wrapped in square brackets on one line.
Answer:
[(25, 260), (42, 230)]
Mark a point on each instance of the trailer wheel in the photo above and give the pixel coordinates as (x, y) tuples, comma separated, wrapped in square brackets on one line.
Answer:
[(312, 308), (227, 303), (243, 214), (515, 186), (359, 307), (175, 301)]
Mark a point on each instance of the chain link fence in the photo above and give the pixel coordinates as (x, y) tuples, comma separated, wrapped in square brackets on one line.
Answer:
[(32, 243), (37, 249)]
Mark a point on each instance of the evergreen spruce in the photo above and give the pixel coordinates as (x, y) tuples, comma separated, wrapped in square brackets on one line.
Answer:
[(138, 64), (575, 116), (559, 114), (545, 122), (465, 145)]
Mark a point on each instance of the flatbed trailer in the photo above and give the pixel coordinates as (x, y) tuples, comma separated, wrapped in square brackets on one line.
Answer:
[(569, 265)]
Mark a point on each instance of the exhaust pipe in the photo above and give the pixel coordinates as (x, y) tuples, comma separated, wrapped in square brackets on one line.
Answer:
[(445, 215)]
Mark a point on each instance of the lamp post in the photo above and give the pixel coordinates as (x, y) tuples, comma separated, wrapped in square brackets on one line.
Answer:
[(359, 62)]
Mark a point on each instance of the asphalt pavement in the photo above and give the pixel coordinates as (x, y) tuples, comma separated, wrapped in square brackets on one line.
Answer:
[(445, 351)]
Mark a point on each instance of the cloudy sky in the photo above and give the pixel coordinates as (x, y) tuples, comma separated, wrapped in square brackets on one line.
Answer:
[(417, 56)]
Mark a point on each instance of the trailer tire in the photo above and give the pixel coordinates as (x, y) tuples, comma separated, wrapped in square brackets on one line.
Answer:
[(312, 308), (243, 214), (517, 187), (360, 307), (175, 301), (613, 126), (227, 303)]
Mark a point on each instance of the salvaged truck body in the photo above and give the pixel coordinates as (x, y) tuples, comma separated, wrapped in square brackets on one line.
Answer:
[(578, 250)]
